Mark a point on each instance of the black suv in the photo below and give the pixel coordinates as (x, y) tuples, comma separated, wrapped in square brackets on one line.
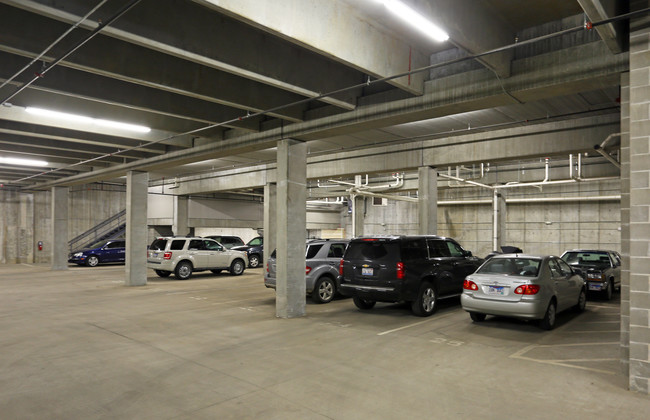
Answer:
[(254, 249), (415, 269)]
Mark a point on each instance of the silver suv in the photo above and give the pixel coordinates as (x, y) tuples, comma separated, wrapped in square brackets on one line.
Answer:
[(322, 257), (185, 255)]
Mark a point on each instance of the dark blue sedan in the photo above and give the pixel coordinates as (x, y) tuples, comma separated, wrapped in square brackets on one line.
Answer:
[(112, 251)]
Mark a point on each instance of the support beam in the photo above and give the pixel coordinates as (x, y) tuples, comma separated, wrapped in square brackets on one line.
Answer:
[(625, 224), (59, 240), (428, 200), (597, 10), (358, 210), (136, 228), (291, 229), (498, 219)]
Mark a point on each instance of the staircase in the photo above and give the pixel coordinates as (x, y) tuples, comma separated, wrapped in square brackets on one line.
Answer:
[(111, 228)]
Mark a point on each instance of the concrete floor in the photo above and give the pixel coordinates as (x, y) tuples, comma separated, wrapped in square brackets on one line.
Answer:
[(77, 344)]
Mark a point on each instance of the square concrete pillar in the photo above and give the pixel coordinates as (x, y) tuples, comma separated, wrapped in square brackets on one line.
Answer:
[(59, 240), (291, 229), (428, 200), (137, 185), (639, 242), (498, 219), (180, 224), (270, 218), (358, 209)]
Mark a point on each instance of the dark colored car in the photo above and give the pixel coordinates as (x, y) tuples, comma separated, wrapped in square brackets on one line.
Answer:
[(255, 251), (600, 269), (415, 269), (322, 258), (112, 251), (228, 241)]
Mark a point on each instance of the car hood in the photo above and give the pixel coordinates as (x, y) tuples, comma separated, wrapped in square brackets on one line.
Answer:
[(241, 248)]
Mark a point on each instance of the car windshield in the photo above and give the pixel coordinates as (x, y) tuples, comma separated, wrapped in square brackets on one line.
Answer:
[(97, 245), (527, 267), (255, 242), (591, 259)]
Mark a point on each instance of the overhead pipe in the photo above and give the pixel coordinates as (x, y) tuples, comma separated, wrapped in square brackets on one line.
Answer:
[(600, 148)]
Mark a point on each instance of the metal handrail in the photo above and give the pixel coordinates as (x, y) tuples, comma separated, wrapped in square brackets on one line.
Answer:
[(99, 231)]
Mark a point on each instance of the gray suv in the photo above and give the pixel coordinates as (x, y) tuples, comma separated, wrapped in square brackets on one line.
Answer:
[(185, 255), (322, 257)]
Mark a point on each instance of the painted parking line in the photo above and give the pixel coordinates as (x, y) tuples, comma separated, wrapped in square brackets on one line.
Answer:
[(415, 324), (566, 362)]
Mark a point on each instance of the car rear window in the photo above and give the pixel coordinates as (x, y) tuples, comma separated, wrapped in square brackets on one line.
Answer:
[(159, 244), (527, 267), (375, 251)]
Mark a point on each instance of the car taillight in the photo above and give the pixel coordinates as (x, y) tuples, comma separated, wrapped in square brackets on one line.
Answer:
[(307, 269), (341, 267), (167, 255), (400, 270), (527, 289), (267, 267), (469, 285)]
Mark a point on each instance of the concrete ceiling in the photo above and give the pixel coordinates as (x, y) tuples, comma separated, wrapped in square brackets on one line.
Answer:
[(219, 81)]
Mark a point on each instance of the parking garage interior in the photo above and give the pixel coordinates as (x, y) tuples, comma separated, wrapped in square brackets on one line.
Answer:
[(522, 126)]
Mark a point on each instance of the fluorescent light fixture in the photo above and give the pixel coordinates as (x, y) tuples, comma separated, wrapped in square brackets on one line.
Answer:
[(86, 120), (416, 20), (22, 162)]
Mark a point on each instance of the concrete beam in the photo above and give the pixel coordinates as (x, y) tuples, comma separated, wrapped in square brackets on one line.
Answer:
[(611, 33), (136, 229), (242, 56), (334, 29), (59, 239), (427, 200), (568, 71), (475, 28)]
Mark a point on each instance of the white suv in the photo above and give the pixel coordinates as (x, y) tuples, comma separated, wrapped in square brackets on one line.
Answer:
[(184, 255)]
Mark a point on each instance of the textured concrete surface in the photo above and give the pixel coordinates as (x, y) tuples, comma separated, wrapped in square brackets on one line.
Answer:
[(80, 345)]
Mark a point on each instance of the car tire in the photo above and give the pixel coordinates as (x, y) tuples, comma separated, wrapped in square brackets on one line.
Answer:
[(609, 291), (183, 270), (427, 300), (548, 322), (162, 273), (215, 271), (582, 301), (477, 316), (254, 261), (237, 267), (324, 290), (363, 303), (92, 261)]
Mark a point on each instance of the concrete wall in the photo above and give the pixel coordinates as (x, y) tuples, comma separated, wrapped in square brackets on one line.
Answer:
[(536, 227)]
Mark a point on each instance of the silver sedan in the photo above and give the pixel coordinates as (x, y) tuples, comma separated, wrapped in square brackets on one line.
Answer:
[(523, 286)]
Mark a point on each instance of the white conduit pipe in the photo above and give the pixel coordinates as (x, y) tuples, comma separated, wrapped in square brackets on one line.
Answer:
[(532, 200)]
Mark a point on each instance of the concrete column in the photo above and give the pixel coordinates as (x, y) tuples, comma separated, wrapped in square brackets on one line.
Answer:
[(180, 226), (428, 200), (639, 370), (358, 208), (59, 241), (137, 184), (291, 228), (498, 219), (625, 223), (270, 217)]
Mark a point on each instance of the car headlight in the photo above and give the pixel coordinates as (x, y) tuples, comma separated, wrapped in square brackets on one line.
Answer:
[(594, 276), (79, 254)]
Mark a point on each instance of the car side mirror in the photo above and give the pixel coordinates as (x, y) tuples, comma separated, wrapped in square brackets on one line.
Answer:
[(467, 253), (576, 271)]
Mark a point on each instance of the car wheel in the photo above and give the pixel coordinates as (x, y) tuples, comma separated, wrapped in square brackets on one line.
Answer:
[(548, 322), (237, 268), (324, 290), (363, 303), (183, 270), (215, 271), (253, 261), (582, 301), (92, 261), (162, 273), (609, 291), (477, 317), (426, 302)]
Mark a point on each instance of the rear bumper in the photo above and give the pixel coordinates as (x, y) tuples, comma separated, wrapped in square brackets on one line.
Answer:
[(376, 293), (531, 309)]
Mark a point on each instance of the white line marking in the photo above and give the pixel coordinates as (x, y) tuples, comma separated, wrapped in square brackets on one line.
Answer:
[(593, 332), (413, 325), (608, 372), (612, 343)]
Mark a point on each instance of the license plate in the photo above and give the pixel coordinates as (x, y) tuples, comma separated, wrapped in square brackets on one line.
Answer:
[(496, 290), (155, 254), (596, 286), (366, 271)]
